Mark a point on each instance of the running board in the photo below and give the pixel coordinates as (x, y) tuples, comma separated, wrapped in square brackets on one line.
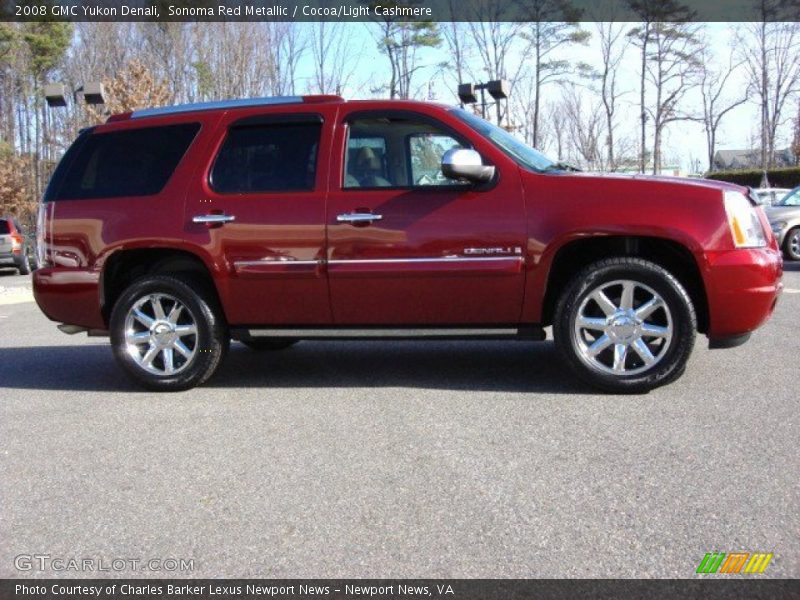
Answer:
[(532, 332)]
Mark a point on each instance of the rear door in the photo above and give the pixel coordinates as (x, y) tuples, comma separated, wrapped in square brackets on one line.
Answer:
[(257, 207)]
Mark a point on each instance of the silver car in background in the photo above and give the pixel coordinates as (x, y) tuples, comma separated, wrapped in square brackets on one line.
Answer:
[(784, 218), (769, 196)]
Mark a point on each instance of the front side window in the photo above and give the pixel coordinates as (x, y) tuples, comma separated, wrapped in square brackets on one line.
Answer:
[(136, 162), (267, 157), (396, 153)]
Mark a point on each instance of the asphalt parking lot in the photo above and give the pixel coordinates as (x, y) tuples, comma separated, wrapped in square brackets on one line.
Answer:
[(397, 459)]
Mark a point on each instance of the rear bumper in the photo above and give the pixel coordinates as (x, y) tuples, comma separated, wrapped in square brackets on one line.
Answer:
[(69, 296), (11, 259), (743, 288)]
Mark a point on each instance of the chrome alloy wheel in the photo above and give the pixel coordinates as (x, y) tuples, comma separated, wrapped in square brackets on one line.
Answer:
[(622, 327), (161, 334), (793, 244)]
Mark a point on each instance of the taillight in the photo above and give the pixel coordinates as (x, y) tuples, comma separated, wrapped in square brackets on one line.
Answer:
[(16, 242), (41, 235)]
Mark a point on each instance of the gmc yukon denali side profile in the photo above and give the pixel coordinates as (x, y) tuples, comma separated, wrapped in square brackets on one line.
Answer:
[(177, 229)]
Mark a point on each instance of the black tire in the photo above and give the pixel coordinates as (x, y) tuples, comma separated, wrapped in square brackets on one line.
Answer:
[(269, 344), (209, 344), (671, 357), (791, 244), (23, 267)]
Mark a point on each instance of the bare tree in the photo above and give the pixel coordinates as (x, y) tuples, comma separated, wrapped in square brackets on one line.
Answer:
[(770, 53), (553, 25), (585, 127), (459, 44), (495, 41), (654, 14), (613, 45), (401, 42), (716, 104), (335, 60)]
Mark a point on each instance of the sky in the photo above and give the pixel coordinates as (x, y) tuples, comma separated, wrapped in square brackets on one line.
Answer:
[(684, 141)]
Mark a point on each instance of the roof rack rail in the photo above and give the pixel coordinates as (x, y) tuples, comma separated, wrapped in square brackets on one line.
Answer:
[(222, 104)]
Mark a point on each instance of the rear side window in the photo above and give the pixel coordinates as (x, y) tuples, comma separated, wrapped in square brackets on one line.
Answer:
[(267, 157), (4, 228), (137, 162)]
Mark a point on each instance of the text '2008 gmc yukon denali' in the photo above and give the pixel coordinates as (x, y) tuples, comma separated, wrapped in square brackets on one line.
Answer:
[(271, 220)]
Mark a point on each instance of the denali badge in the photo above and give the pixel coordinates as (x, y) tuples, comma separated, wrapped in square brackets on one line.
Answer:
[(503, 250)]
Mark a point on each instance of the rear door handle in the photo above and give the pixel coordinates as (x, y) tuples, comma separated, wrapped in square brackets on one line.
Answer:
[(358, 218), (213, 219)]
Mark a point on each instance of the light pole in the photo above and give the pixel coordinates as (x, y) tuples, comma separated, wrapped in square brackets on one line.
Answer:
[(498, 89)]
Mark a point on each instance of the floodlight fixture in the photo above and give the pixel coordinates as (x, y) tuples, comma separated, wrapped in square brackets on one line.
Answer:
[(94, 93), (55, 94), (466, 93), (498, 89)]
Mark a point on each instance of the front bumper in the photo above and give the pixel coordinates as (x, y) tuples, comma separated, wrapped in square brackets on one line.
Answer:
[(743, 287), (69, 296)]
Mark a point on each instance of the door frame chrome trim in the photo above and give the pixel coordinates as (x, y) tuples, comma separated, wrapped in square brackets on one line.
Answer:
[(441, 259), (269, 261)]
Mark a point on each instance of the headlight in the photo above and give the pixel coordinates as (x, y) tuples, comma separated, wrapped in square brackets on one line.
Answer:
[(744, 222)]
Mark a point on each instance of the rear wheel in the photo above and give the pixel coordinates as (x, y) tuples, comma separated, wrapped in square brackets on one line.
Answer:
[(625, 325), (166, 333), (23, 267), (269, 344), (791, 245)]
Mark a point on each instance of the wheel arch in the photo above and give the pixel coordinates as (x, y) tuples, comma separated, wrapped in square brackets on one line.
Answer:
[(123, 266), (577, 253)]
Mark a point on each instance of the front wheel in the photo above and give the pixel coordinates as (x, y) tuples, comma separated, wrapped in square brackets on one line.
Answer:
[(791, 246), (625, 325), (166, 333)]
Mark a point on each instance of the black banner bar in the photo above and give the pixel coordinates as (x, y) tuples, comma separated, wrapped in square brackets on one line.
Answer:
[(409, 589), (400, 10)]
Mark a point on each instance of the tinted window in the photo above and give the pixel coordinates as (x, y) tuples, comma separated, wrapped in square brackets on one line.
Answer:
[(137, 162), (271, 157), (396, 152), (4, 228)]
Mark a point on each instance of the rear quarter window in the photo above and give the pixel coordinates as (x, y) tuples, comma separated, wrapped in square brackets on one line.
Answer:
[(135, 162), (4, 227)]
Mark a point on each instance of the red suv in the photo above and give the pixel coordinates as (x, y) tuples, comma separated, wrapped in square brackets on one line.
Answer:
[(272, 220)]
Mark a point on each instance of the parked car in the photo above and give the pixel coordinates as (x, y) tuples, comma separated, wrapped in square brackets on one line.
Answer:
[(768, 196), (784, 219), (177, 229), (15, 249)]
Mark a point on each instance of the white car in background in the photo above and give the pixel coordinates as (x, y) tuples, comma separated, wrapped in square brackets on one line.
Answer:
[(769, 196)]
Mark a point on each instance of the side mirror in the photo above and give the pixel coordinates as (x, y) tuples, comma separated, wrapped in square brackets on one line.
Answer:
[(462, 163)]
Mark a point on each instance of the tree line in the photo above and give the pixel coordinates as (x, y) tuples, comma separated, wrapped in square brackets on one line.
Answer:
[(598, 114)]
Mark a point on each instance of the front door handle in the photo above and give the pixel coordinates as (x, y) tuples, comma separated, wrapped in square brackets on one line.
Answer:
[(213, 219), (358, 218)]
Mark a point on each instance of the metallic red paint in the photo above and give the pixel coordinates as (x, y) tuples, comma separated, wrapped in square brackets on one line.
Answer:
[(329, 273)]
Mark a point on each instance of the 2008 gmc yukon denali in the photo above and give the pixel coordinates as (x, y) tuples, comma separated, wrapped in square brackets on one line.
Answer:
[(271, 220)]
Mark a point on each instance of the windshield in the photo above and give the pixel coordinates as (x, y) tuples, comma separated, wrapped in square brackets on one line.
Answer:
[(791, 199), (519, 151)]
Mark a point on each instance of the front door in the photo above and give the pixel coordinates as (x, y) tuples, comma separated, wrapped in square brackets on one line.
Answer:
[(258, 209), (406, 246)]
